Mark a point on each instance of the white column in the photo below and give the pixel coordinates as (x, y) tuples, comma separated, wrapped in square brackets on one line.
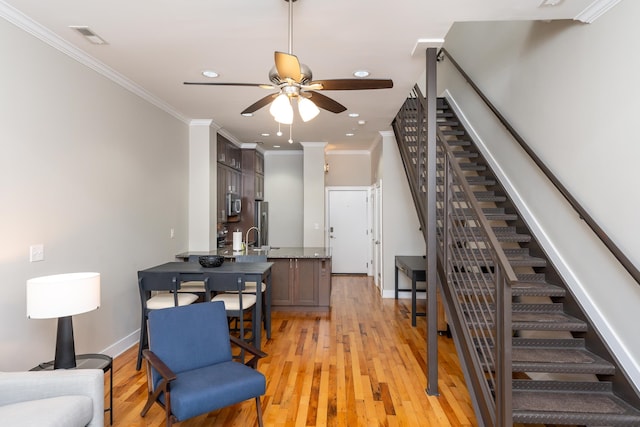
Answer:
[(202, 185), (313, 198)]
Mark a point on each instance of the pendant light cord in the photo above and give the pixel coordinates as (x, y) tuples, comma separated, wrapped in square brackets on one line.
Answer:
[(290, 26)]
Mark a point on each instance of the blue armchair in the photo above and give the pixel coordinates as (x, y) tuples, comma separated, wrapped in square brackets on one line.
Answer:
[(190, 370)]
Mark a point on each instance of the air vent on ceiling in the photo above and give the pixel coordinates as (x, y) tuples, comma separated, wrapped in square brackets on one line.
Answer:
[(87, 33)]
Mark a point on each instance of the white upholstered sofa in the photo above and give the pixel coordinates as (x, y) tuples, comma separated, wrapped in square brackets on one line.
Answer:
[(60, 398)]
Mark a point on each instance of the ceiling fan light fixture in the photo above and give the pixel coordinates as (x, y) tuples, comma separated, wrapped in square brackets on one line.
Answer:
[(281, 109), (307, 109)]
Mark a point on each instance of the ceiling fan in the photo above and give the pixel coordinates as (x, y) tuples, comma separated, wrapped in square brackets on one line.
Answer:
[(294, 80)]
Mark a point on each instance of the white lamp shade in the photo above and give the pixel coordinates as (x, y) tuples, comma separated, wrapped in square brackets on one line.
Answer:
[(62, 295), (307, 109), (281, 109)]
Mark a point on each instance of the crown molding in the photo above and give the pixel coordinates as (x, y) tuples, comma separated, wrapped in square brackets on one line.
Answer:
[(348, 152), (230, 137), (595, 10), (201, 122), (283, 153), (313, 144), (27, 24)]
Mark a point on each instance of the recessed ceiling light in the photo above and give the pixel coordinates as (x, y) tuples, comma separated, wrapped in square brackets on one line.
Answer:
[(362, 122), (349, 134), (210, 74), (247, 114), (276, 146), (361, 73), (265, 134), (354, 115)]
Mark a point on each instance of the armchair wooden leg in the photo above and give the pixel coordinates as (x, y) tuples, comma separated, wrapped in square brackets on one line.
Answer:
[(259, 409)]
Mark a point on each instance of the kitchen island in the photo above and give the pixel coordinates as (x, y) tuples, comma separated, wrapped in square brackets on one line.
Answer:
[(300, 277)]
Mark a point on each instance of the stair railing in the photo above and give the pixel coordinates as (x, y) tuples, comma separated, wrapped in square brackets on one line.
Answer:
[(478, 285), (477, 298), (584, 215), (412, 132)]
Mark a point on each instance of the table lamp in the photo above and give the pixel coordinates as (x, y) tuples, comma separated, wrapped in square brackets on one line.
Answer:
[(61, 296)]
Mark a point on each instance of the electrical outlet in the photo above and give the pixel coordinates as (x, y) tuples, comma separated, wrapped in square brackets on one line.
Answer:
[(36, 253)]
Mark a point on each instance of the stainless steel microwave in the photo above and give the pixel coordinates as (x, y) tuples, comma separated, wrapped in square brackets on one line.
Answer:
[(234, 204)]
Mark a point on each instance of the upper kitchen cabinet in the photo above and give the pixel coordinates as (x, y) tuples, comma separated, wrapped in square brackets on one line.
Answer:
[(228, 153), (229, 175), (253, 174)]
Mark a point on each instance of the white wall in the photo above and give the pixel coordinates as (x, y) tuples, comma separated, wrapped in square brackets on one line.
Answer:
[(283, 189), (348, 168), (401, 233), (572, 92), (97, 175)]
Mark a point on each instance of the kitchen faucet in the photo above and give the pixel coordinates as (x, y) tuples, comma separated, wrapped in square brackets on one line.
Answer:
[(246, 237)]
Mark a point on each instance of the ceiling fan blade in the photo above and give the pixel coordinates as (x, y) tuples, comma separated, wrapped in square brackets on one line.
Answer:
[(259, 104), (325, 102), (288, 66), (262, 85), (354, 84)]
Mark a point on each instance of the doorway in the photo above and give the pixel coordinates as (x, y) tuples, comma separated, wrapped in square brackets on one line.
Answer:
[(348, 229), (375, 214)]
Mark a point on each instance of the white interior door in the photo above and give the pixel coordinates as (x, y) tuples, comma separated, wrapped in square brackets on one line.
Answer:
[(376, 237), (348, 231)]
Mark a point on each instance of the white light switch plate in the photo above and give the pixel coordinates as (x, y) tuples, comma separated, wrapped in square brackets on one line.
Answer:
[(36, 253)]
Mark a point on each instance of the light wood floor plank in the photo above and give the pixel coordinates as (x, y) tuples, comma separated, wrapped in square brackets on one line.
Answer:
[(361, 364)]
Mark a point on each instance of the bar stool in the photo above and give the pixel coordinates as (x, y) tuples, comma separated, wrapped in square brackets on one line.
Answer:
[(229, 289), (251, 287)]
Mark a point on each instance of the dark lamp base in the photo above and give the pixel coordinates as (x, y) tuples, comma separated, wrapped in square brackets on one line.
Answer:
[(65, 348)]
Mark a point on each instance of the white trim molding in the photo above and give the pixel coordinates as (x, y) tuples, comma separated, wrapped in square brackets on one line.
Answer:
[(25, 23), (595, 10)]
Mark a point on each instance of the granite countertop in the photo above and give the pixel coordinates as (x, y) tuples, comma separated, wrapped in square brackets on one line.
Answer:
[(274, 252)]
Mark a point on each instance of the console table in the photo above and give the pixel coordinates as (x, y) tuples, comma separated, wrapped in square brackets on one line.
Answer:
[(415, 268)]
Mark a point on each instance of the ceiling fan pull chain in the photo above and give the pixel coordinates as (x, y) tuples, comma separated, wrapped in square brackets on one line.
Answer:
[(291, 133)]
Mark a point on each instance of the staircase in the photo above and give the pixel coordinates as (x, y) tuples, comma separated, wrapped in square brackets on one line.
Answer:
[(558, 370)]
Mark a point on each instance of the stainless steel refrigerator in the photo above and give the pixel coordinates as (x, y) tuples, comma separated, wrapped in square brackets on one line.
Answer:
[(262, 222)]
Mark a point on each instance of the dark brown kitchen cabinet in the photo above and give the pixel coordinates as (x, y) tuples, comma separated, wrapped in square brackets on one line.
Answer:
[(229, 176), (228, 153), (253, 173), (301, 283)]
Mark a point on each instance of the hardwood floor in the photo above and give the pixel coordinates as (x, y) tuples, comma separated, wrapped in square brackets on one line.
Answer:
[(362, 364)]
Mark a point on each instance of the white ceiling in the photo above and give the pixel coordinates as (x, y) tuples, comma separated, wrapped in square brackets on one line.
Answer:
[(154, 46)]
